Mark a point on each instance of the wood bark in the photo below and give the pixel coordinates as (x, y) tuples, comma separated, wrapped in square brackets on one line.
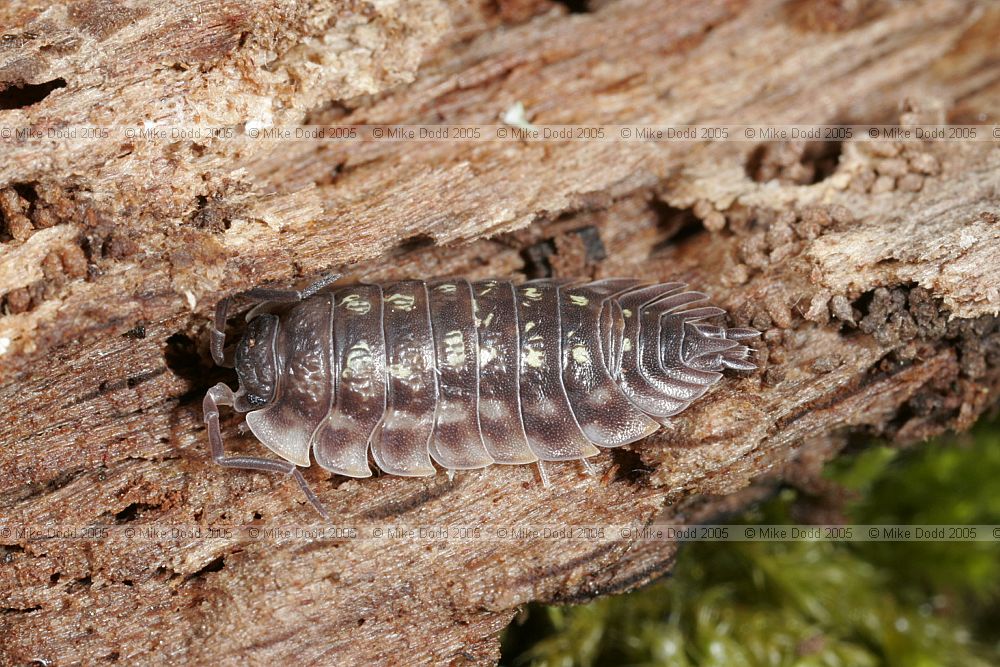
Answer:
[(871, 268)]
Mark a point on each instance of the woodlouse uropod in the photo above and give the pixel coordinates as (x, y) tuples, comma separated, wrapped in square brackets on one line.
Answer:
[(465, 374)]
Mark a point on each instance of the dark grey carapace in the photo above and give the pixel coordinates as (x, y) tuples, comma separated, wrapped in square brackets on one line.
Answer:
[(466, 374)]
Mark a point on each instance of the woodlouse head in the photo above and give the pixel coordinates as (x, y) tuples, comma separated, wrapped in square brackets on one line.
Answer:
[(255, 363)]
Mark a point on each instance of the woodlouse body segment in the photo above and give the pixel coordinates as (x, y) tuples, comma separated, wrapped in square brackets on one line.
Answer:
[(358, 378), (501, 429), (466, 374)]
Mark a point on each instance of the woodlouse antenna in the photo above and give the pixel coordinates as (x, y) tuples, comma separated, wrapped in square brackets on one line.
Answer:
[(218, 335), (218, 332)]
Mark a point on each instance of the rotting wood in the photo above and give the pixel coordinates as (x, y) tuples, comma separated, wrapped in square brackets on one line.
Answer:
[(872, 270)]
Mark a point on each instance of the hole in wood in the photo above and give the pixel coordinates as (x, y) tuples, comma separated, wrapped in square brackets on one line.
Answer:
[(415, 242), (794, 163), (576, 6), (181, 356), (676, 225), (26, 94)]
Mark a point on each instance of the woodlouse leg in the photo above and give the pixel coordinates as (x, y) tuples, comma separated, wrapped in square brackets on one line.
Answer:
[(544, 475), (221, 394), (589, 467)]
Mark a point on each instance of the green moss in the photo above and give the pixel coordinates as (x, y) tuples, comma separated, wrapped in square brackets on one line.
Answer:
[(813, 603), (955, 481)]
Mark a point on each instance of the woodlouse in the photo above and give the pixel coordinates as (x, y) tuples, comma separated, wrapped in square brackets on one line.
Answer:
[(465, 374)]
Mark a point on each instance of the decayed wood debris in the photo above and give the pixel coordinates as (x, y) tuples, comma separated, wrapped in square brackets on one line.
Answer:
[(872, 269)]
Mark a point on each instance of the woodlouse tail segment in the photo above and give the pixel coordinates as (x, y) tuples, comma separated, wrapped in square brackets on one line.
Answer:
[(738, 358), (221, 394), (715, 348)]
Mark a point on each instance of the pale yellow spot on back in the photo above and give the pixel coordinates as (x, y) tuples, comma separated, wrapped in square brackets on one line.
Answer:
[(359, 370), (454, 346), (486, 355), (535, 358), (578, 300), (358, 359), (401, 302), (400, 371), (355, 304)]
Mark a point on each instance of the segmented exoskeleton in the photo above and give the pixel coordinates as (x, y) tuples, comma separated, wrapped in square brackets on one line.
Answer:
[(466, 374)]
